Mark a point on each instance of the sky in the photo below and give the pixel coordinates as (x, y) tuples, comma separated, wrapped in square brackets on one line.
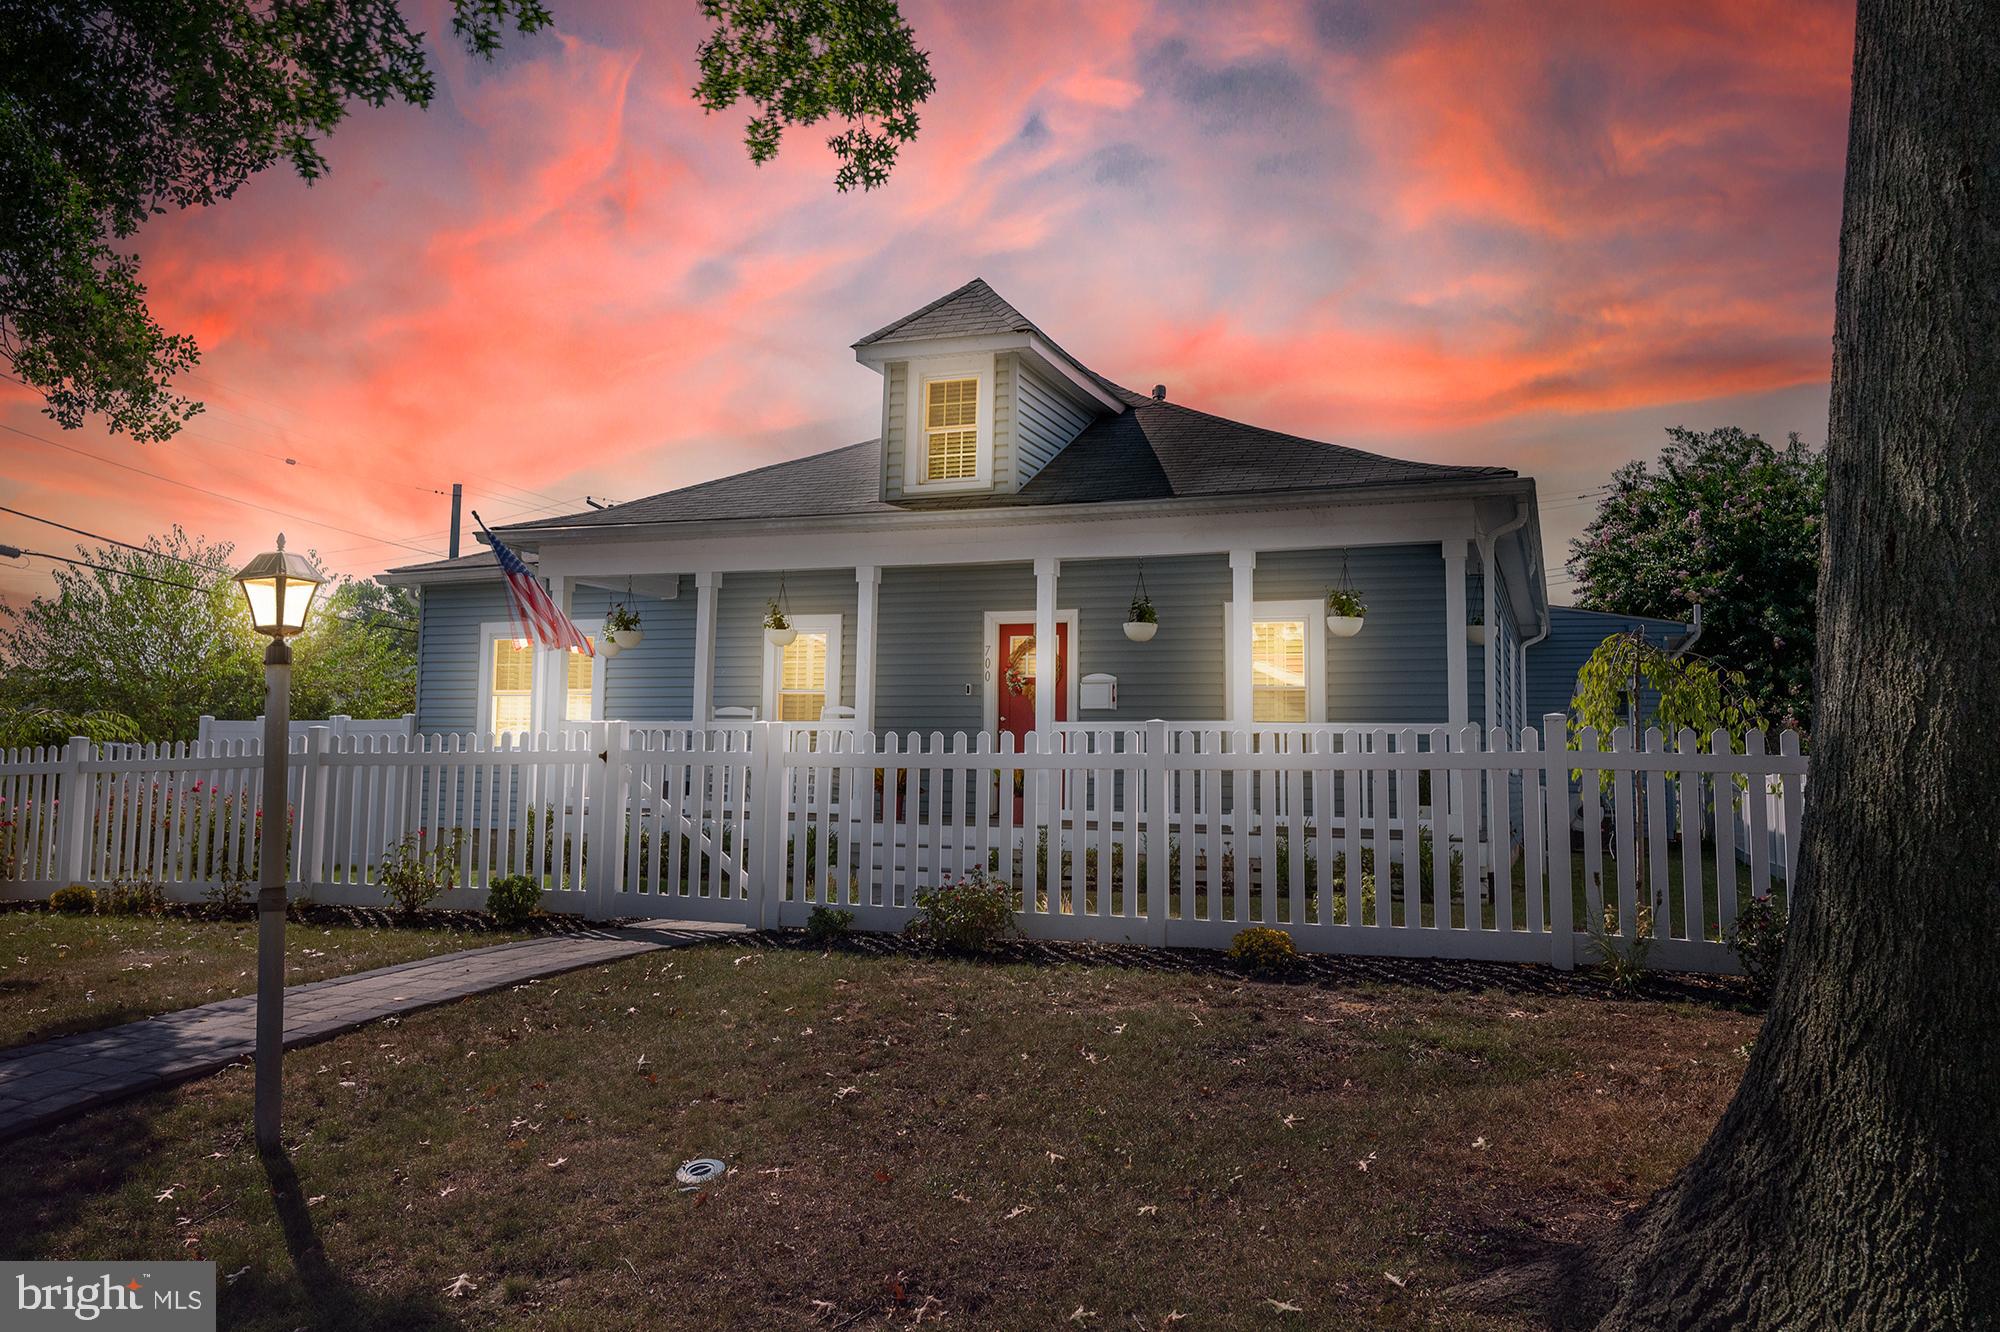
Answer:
[(1528, 234)]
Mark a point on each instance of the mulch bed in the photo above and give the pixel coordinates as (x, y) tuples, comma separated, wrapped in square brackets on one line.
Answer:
[(1321, 970), (359, 917)]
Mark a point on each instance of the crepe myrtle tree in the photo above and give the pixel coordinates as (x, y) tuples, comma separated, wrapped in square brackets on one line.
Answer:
[(112, 113), (1727, 521)]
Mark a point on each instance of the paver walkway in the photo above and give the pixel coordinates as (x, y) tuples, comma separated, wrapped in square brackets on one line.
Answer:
[(50, 1081)]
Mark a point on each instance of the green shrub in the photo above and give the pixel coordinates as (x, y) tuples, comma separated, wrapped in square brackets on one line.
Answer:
[(829, 924), (969, 915), (76, 900), (513, 900), (413, 874), (1757, 937), (1264, 952), (135, 897)]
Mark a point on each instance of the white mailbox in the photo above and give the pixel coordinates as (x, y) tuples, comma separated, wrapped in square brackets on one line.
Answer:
[(1098, 691)]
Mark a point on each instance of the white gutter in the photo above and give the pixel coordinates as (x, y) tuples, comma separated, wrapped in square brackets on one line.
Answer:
[(1693, 634)]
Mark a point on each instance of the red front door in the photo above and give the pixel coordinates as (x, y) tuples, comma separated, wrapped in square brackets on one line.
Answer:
[(1015, 679)]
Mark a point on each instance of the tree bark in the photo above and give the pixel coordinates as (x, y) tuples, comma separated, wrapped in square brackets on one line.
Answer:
[(1855, 1180)]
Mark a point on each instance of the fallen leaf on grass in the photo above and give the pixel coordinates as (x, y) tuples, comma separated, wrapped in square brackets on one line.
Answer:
[(168, 1193), (1289, 1120), (1395, 1280), (233, 1277), (558, 1163), (1150, 1209), (1480, 1142), (461, 1286), (1082, 1315), (1282, 1307), (1022, 1210), (1366, 1161), (316, 1200)]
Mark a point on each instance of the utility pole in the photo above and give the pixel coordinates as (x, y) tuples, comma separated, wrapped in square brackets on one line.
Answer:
[(457, 494)]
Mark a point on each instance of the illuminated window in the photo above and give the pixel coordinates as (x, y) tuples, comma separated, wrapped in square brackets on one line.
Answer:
[(1278, 671), (512, 707), (802, 679), (951, 429), (509, 672)]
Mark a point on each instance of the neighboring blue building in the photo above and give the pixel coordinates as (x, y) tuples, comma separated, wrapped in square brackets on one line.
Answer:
[(1013, 496), (1573, 635)]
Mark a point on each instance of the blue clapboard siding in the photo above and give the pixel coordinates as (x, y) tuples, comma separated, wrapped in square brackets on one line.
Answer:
[(931, 642), (740, 607), (1394, 670), (650, 682), (1044, 421), (1178, 675), (448, 626), (655, 680), (1573, 635)]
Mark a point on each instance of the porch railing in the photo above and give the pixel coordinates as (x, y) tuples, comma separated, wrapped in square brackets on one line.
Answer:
[(1386, 840)]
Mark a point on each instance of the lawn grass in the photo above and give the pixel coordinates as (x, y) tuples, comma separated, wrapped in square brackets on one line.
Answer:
[(992, 1145), (61, 974)]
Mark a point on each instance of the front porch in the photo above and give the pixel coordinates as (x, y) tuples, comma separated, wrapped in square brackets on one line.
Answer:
[(922, 638)]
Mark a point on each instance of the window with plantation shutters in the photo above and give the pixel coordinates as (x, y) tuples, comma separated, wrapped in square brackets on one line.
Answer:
[(576, 701), (1278, 678), (951, 429), (802, 679), (513, 708)]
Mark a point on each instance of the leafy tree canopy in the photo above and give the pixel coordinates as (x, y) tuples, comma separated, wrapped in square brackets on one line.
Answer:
[(1728, 521), (157, 637), (113, 112), (1630, 680)]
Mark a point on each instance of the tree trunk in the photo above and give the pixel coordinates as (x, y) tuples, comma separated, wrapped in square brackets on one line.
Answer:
[(1855, 1180)]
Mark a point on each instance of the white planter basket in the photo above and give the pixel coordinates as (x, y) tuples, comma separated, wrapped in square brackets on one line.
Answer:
[(1141, 631), (609, 647), (780, 637), (1343, 626), (624, 638), (1475, 633)]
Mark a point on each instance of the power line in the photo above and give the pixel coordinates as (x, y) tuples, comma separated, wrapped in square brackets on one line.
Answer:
[(232, 499), (106, 568), (113, 541)]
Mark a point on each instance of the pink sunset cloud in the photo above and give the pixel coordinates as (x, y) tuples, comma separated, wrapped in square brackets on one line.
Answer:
[(1520, 233)]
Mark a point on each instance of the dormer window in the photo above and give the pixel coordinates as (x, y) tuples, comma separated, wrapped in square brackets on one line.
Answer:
[(951, 429)]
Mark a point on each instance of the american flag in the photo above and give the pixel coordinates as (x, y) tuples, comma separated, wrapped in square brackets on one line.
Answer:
[(536, 615)]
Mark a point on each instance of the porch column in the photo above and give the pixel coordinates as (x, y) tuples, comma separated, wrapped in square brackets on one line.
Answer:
[(1242, 614), (1457, 705), (549, 689), (1046, 569), (1488, 617), (867, 583), (704, 646)]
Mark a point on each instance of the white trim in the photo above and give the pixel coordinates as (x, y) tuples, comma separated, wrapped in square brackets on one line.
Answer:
[(990, 707), (916, 441), (773, 655), (1313, 612), (490, 630)]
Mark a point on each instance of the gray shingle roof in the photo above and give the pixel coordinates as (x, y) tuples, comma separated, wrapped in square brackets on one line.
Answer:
[(1149, 451), (974, 309)]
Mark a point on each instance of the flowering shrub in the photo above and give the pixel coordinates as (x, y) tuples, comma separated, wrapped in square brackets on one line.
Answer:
[(973, 914), (1264, 952), (75, 900), (135, 897)]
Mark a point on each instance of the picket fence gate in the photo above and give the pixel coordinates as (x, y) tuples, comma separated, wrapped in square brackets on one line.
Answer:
[(1467, 844)]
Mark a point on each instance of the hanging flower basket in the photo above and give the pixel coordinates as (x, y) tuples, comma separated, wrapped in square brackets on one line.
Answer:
[(1345, 612), (1475, 630), (1142, 622), (621, 629), (610, 647), (778, 629)]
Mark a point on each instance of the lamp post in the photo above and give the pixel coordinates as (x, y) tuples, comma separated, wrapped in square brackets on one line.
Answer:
[(280, 588)]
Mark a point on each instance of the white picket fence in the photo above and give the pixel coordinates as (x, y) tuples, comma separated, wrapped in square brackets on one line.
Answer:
[(1469, 845)]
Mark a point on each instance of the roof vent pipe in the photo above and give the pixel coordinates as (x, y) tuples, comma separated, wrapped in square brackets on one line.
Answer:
[(1159, 393)]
